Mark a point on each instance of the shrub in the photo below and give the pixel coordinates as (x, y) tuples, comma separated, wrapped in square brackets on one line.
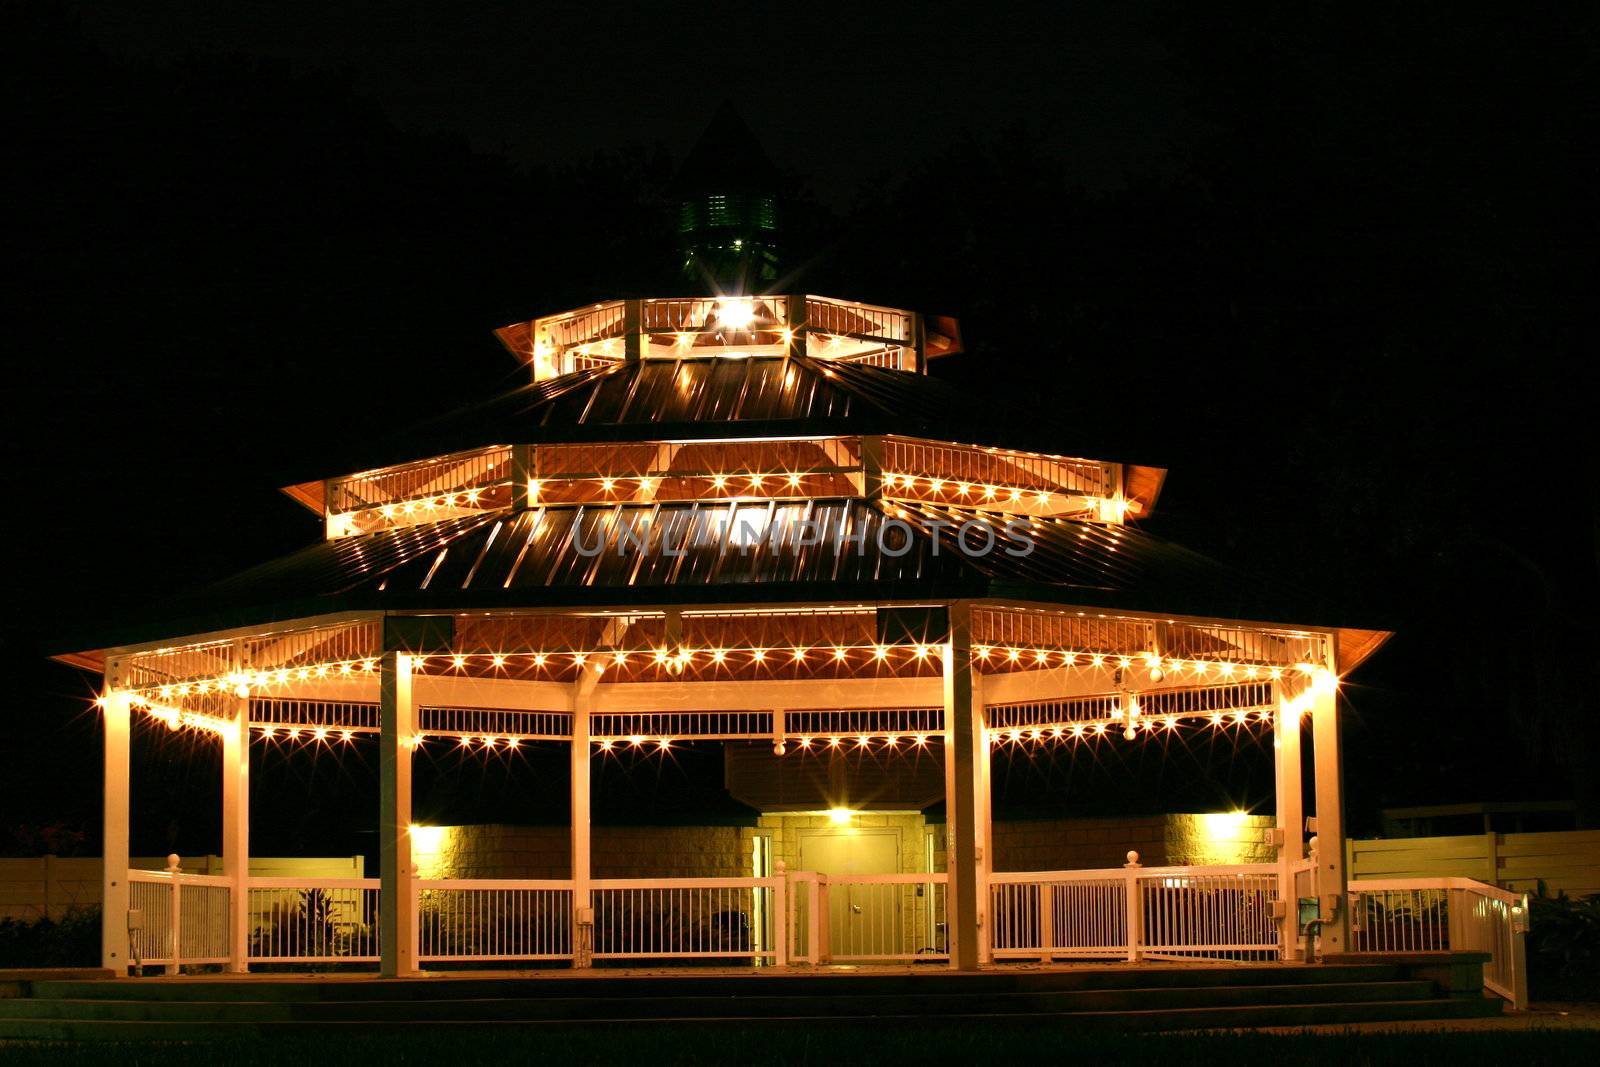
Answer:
[(74, 941), (1564, 947)]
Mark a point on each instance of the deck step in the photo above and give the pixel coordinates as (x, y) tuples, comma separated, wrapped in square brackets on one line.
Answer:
[(756, 1006), (435, 987), (1194, 1018)]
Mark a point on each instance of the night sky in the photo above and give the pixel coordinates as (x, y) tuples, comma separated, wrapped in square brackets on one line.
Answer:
[(1329, 263)]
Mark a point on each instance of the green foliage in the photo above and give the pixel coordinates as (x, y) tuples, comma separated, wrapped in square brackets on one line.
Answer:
[(74, 941), (1564, 947)]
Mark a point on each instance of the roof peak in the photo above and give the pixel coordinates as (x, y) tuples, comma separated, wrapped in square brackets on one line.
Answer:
[(727, 158)]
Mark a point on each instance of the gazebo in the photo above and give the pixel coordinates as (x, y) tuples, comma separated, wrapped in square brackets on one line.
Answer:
[(737, 519)]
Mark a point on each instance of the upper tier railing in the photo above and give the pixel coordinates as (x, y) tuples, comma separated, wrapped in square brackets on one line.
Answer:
[(732, 327)]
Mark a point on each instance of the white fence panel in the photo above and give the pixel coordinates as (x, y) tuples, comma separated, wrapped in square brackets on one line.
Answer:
[(502, 919), (1220, 913), (1064, 915), (882, 917), (645, 918), (314, 920), (1134, 911), (1446, 914)]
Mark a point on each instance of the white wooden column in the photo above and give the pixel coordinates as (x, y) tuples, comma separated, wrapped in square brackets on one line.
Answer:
[(960, 793), (236, 832), (1291, 814), (1332, 878), (983, 805), (583, 702), (397, 902), (115, 717)]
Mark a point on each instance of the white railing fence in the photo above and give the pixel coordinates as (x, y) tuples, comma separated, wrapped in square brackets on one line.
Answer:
[(1135, 912), (1131, 913), (1446, 914), (482, 919), (683, 918), (176, 918), (313, 920), (869, 917)]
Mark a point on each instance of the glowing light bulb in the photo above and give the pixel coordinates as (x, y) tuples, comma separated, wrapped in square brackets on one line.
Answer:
[(735, 314)]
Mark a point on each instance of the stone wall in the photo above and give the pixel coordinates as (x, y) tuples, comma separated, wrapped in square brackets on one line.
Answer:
[(1160, 840), (504, 851)]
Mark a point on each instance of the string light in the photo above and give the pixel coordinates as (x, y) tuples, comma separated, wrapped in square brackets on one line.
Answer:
[(248, 683)]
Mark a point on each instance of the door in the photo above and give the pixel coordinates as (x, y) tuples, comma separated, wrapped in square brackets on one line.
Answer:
[(864, 919)]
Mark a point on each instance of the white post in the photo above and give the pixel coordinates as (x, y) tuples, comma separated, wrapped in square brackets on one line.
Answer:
[(821, 919), (397, 901), (174, 916), (115, 716), (983, 805), (1519, 954), (583, 701), (236, 833), (1333, 880), (1135, 906), (962, 720), (777, 915), (1291, 817)]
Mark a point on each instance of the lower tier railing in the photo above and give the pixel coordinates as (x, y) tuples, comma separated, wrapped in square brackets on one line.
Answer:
[(1130, 913)]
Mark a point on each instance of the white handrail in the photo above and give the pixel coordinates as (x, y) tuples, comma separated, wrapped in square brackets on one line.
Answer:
[(495, 883), (1446, 914), (1493, 892), (681, 883), (314, 883)]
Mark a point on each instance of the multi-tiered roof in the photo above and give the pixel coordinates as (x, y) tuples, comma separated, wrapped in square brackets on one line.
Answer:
[(727, 450)]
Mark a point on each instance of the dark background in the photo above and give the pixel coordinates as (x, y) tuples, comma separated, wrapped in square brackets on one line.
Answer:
[(1330, 263)]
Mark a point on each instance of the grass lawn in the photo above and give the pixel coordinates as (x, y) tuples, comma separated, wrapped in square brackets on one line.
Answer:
[(649, 1047)]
